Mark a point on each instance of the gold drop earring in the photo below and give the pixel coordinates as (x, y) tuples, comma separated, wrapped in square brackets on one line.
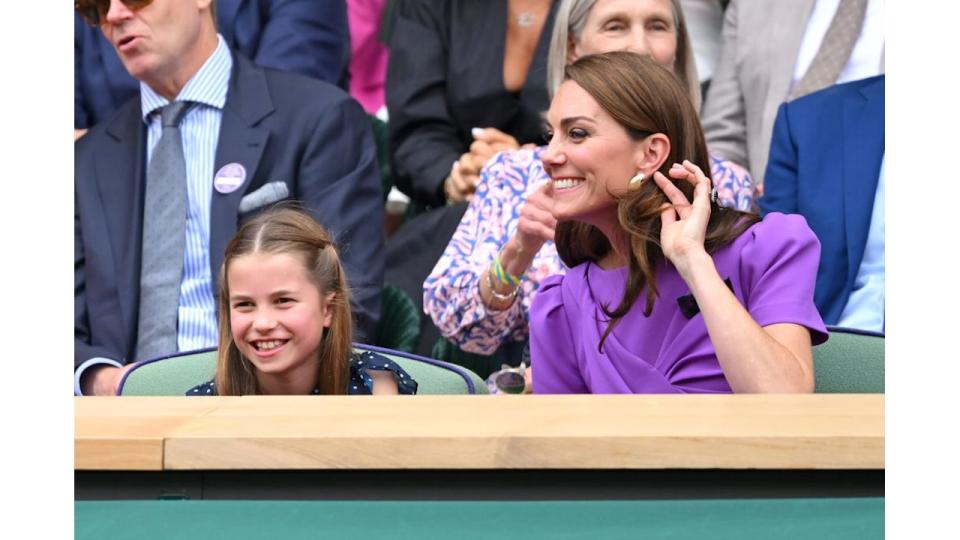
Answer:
[(636, 181)]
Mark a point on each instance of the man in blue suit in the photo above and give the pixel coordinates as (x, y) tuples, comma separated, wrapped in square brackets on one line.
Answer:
[(826, 163), (250, 137), (309, 37)]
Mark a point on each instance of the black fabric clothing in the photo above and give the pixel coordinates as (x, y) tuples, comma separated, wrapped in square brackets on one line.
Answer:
[(360, 381), (445, 77), (411, 254)]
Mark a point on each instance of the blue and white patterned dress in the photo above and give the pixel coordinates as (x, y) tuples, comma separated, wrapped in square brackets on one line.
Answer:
[(360, 381)]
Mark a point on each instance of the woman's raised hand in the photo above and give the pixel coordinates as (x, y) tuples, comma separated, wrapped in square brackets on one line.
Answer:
[(537, 224), (684, 225)]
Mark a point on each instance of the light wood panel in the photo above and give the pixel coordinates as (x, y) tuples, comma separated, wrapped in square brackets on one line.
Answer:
[(481, 432), (128, 433)]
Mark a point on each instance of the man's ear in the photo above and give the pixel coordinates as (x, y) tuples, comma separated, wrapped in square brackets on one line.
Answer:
[(651, 153)]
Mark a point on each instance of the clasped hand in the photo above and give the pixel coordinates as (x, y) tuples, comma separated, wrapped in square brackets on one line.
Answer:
[(465, 173)]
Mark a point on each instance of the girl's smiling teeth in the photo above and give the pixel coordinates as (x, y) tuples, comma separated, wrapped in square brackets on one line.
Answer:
[(268, 345), (567, 183)]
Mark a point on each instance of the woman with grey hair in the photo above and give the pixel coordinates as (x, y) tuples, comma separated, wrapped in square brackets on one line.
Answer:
[(480, 291)]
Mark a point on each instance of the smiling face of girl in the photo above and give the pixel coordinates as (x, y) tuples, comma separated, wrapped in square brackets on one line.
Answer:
[(277, 317)]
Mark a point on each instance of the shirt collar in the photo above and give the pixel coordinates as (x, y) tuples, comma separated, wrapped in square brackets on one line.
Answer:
[(207, 86)]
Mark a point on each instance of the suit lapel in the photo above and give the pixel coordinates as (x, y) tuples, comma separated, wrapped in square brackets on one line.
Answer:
[(863, 148), (120, 181), (240, 141), (788, 22)]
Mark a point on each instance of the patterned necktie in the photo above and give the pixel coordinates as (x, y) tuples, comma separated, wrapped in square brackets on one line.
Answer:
[(834, 51), (163, 243)]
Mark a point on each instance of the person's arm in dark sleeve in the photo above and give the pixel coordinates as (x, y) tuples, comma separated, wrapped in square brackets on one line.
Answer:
[(780, 193), (80, 120), (309, 37), (340, 184), (423, 139), (88, 359)]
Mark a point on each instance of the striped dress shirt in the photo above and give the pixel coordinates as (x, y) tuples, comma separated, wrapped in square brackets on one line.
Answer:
[(199, 131)]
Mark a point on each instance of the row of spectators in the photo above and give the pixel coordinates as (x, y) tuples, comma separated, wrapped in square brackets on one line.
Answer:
[(792, 118)]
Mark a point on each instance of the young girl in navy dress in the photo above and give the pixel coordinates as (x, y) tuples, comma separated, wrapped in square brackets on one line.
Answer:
[(285, 324)]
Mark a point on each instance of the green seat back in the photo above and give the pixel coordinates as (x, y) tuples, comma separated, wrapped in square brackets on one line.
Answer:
[(173, 376), (481, 364), (510, 353), (434, 376), (399, 321), (850, 362)]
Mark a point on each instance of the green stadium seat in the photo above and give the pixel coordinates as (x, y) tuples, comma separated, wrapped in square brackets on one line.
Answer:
[(850, 362), (174, 375)]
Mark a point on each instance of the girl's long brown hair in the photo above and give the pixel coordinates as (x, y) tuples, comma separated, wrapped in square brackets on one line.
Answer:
[(643, 97), (289, 231)]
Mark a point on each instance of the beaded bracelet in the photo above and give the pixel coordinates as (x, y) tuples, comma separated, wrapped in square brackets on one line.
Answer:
[(509, 297), (502, 275)]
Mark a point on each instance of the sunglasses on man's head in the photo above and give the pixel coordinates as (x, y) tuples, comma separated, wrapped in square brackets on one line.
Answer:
[(95, 11)]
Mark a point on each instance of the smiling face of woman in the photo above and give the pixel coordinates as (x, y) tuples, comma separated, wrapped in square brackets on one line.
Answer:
[(645, 27), (590, 158)]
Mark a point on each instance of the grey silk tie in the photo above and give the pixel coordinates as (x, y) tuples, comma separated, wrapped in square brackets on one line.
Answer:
[(164, 232), (834, 51)]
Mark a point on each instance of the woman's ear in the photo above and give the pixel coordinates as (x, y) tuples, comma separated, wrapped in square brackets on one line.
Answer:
[(571, 51), (651, 153)]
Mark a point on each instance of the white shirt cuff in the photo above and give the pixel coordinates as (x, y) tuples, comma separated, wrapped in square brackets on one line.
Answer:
[(78, 373)]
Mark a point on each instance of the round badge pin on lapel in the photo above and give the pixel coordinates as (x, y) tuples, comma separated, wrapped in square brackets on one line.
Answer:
[(229, 178)]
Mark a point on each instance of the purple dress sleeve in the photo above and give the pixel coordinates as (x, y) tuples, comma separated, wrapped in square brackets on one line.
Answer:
[(779, 269), (552, 346)]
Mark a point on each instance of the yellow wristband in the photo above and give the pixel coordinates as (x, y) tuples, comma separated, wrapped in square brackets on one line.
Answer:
[(502, 275)]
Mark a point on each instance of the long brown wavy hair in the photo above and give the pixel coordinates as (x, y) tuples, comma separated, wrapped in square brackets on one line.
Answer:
[(644, 98), (290, 231)]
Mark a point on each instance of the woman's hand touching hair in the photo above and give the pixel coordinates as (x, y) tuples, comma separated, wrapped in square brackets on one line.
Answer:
[(684, 225)]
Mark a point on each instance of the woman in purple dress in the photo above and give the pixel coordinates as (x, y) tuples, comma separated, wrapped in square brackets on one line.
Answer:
[(668, 291)]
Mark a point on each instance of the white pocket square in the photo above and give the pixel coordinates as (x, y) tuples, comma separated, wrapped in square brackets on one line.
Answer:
[(268, 193)]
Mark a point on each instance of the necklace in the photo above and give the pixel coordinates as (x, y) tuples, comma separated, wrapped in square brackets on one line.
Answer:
[(525, 19)]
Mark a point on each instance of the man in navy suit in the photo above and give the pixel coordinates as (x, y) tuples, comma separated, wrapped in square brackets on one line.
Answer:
[(309, 37), (250, 136), (826, 163)]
